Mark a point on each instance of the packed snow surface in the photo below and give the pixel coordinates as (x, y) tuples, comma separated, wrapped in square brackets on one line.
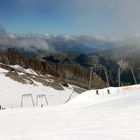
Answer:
[(114, 116), (11, 93)]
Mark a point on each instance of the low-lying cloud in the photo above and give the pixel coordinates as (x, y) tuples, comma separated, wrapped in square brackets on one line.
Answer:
[(31, 43)]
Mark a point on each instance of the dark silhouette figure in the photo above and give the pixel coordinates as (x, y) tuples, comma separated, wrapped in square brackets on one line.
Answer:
[(41, 105), (97, 93), (108, 92)]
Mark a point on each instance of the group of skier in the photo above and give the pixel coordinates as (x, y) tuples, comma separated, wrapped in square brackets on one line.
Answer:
[(108, 92), (1, 108)]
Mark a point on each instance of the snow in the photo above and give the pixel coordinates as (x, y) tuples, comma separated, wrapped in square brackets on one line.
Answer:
[(30, 71), (109, 117), (11, 93), (88, 116)]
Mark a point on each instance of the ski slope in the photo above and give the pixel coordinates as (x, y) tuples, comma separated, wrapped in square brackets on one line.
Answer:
[(114, 116), (11, 92)]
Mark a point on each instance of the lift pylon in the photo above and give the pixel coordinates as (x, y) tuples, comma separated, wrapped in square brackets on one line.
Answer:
[(27, 95), (98, 68), (41, 96), (125, 66)]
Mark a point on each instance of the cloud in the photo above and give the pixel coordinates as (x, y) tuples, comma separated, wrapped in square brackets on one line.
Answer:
[(114, 16), (123, 16), (31, 43)]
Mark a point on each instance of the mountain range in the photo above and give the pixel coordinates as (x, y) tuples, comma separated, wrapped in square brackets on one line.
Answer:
[(62, 42), (69, 56)]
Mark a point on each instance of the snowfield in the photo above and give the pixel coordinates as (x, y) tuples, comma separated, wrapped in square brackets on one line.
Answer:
[(11, 92), (114, 116), (100, 117)]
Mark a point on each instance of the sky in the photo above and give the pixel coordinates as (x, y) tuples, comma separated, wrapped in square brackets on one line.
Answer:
[(100, 17)]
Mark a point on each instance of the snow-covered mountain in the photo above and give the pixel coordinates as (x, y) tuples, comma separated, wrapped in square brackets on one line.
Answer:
[(113, 116), (16, 81)]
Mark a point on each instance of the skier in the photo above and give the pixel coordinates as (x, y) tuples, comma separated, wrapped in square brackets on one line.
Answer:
[(108, 92), (97, 93)]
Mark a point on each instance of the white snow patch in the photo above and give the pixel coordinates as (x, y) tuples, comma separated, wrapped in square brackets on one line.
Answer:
[(11, 93), (100, 117), (30, 71), (114, 116)]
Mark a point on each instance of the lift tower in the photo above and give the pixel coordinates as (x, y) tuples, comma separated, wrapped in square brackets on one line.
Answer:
[(123, 67)]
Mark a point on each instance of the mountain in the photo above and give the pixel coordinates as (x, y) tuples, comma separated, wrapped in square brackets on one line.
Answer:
[(76, 47), (82, 44), (125, 52), (73, 67), (67, 56), (50, 43), (71, 73), (21, 81), (86, 117), (111, 58)]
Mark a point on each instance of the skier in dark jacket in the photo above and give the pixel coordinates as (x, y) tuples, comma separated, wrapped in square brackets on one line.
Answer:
[(97, 93), (108, 92)]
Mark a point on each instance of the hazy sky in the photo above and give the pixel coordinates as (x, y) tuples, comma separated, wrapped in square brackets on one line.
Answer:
[(100, 17)]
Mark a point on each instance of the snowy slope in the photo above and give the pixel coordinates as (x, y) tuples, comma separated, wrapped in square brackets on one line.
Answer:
[(114, 116), (30, 71), (11, 92)]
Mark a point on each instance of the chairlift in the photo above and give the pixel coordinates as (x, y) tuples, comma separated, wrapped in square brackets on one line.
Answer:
[(27, 96), (99, 68), (41, 96)]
